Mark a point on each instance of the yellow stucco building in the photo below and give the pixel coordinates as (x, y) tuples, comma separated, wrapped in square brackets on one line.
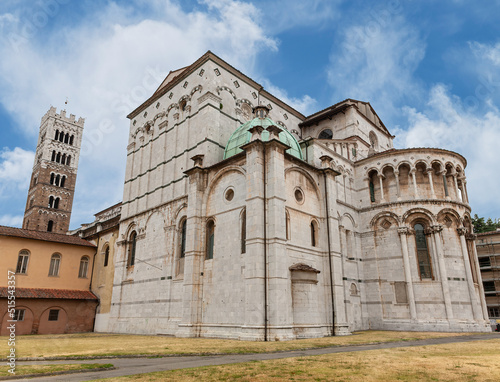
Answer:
[(53, 276)]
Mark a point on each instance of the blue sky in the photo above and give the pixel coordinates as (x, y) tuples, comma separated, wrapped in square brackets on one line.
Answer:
[(430, 69)]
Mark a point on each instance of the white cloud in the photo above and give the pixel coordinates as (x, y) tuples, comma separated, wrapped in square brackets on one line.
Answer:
[(376, 61), (109, 63), (306, 105), (485, 51), (11, 220), (446, 123), (15, 169), (282, 15)]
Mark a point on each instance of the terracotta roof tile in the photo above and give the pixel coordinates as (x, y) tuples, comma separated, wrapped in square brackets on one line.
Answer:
[(45, 236), (67, 294)]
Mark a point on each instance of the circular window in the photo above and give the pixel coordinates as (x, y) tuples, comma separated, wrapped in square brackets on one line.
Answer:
[(299, 196), (157, 105), (229, 195), (145, 114)]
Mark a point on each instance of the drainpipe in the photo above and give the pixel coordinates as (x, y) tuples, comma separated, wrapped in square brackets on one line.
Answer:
[(90, 286), (265, 245), (329, 253)]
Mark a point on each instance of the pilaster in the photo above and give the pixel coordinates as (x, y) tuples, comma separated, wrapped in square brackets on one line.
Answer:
[(194, 255)]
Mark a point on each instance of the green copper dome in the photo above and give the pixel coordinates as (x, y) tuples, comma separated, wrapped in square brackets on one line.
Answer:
[(242, 136)]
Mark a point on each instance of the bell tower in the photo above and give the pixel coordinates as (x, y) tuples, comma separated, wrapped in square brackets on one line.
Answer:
[(52, 186)]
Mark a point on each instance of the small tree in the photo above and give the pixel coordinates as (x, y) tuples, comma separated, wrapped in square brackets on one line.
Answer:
[(478, 224)]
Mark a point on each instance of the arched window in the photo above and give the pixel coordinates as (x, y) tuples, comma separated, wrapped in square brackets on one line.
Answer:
[(66, 138), (71, 140), (372, 191), (56, 203), (63, 159), (58, 178), (68, 161), (423, 256), (182, 105), (353, 290), (55, 262), (84, 267), (32, 200), (53, 158), (314, 234), (373, 140), (22, 262), (106, 256), (52, 177), (50, 226), (210, 239), (63, 180), (61, 137), (56, 137), (182, 240), (243, 231), (58, 158), (326, 134), (131, 249), (51, 202)]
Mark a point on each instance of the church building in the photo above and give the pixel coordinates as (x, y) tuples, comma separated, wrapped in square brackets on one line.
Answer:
[(243, 218)]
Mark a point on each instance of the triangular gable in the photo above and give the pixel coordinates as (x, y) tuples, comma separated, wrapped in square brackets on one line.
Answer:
[(365, 109), (176, 76), (173, 74)]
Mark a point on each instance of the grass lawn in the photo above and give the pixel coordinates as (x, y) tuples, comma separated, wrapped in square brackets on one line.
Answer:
[(96, 344), (473, 361), (36, 369)]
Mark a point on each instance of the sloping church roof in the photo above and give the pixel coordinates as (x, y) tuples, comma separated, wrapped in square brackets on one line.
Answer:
[(365, 109), (176, 76)]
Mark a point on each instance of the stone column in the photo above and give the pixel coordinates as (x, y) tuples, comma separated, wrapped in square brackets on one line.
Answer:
[(464, 190), (468, 273), (190, 325), (253, 327), (279, 277), (341, 325), (345, 189), (382, 197), (431, 183), (334, 281), (445, 185), (344, 255), (403, 231), (437, 245), (414, 181), (457, 190), (398, 191)]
